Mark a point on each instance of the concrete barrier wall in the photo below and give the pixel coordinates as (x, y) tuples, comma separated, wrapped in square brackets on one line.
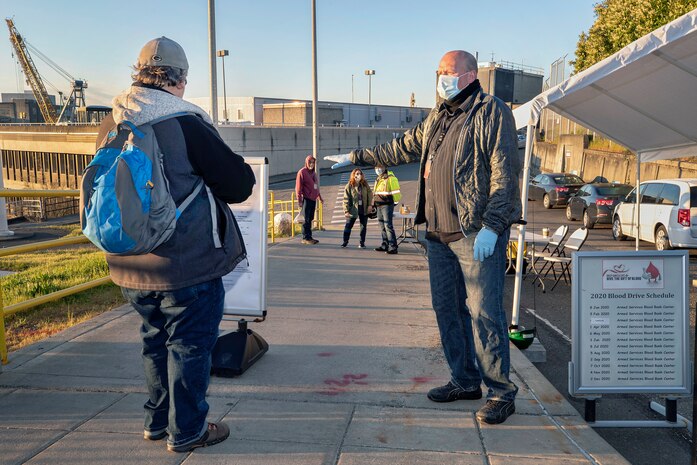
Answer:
[(286, 148), (29, 151), (568, 156)]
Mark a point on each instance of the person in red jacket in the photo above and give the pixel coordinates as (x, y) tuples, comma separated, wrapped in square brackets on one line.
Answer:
[(307, 192)]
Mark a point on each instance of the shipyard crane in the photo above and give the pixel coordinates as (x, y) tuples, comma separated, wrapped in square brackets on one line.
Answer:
[(48, 111)]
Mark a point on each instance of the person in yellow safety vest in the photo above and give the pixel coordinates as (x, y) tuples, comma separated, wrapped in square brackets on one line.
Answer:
[(385, 195)]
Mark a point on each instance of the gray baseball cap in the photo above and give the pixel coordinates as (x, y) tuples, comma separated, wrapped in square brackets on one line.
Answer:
[(163, 52)]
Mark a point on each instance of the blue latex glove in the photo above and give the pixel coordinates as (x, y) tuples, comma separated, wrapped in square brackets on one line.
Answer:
[(341, 160), (484, 244)]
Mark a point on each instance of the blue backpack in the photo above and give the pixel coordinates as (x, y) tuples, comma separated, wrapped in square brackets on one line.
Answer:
[(126, 205)]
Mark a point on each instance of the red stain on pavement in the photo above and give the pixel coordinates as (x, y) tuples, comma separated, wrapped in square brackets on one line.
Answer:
[(422, 379), (345, 380), (325, 354)]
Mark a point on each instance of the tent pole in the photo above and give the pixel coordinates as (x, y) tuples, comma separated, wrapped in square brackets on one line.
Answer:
[(521, 227), (636, 207)]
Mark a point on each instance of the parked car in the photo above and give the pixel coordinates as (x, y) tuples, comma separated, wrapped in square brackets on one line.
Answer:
[(554, 188), (667, 214), (595, 202)]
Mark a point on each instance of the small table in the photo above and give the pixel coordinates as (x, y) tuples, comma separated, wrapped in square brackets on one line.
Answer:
[(531, 238), (410, 231)]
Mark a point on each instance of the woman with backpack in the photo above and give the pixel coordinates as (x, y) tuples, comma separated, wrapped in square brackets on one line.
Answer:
[(358, 203)]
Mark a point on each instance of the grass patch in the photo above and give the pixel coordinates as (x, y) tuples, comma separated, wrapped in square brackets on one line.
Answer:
[(600, 143), (43, 272)]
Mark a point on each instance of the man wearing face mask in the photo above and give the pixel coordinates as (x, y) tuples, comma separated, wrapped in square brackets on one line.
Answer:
[(385, 195), (468, 198)]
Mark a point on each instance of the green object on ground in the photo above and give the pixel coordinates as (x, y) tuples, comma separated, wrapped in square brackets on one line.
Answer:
[(520, 337)]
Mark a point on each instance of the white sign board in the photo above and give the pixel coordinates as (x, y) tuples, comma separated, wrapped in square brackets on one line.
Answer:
[(245, 286), (630, 322)]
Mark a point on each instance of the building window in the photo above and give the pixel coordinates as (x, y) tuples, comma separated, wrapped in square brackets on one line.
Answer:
[(240, 115)]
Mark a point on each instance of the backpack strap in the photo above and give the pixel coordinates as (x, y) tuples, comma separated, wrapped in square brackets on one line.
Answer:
[(190, 198), (214, 219), (134, 129)]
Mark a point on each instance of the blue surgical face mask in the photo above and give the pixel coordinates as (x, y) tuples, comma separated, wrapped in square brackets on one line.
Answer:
[(379, 171), (447, 86)]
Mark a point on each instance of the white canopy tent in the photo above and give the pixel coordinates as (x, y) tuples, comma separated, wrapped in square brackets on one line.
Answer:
[(643, 97)]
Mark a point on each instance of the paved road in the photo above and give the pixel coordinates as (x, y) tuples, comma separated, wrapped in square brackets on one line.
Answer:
[(640, 446)]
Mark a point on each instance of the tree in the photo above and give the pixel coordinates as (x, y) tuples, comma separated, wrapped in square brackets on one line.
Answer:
[(621, 22)]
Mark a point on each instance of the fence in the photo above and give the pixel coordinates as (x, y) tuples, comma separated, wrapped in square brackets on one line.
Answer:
[(31, 303), (288, 206), (275, 207)]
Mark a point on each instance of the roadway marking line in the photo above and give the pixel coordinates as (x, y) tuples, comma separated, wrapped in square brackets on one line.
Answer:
[(548, 323)]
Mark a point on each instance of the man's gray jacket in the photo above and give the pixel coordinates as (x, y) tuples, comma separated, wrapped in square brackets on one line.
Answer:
[(206, 243), (486, 165)]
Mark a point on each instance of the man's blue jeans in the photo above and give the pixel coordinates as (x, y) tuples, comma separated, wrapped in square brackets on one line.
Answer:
[(385, 214), (467, 296), (179, 330)]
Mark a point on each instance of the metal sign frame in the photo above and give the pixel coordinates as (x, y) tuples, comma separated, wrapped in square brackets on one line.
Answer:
[(247, 296), (584, 271)]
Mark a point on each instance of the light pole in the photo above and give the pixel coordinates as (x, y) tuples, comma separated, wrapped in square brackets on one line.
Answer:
[(370, 73), (315, 133), (222, 54), (211, 62)]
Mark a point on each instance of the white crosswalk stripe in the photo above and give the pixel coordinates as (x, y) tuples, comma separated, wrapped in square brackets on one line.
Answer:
[(338, 212)]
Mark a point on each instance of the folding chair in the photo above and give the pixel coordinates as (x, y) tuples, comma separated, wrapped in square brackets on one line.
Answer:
[(551, 249), (574, 244)]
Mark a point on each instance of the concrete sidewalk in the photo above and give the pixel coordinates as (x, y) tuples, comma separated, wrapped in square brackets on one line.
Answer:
[(353, 350)]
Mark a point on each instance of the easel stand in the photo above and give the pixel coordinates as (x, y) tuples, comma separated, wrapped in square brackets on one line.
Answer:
[(669, 411), (237, 350)]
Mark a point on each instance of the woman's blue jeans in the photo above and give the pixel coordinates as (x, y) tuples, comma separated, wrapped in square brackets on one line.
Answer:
[(179, 330), (467, 296), (363, 219)]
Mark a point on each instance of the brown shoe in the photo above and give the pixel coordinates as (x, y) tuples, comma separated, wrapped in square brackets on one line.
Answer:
[(216, 432)]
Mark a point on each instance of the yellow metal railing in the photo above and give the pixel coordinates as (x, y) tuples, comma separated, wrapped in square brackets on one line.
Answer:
[(290, 206), (31, 303), (275, 206)]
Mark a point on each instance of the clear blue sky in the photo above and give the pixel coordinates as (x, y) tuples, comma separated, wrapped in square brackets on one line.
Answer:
[(270, 42)]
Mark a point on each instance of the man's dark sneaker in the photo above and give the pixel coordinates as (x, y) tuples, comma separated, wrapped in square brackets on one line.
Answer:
[(217, 432), (361, 246), (155, 435), (344, 244), (496, 411), (391, 252), (310, 241), (451, 393), (382, 248), (314, 241)]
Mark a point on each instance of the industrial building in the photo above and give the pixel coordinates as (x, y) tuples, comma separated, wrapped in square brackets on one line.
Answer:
[(264, 111), (21, 107), (513, 83)]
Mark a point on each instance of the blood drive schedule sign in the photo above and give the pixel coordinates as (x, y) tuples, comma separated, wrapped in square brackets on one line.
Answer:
[(630, 322)]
